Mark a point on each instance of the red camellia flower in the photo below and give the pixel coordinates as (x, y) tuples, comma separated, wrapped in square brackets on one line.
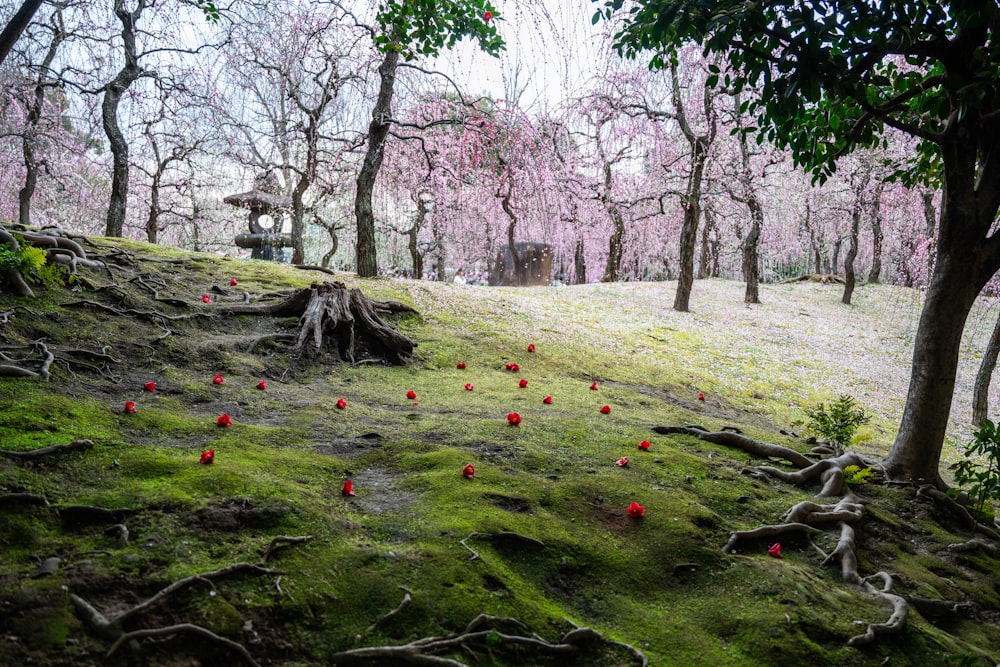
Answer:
[(348, 488), (129, 407), (149, 386), (487, 16), (206, 298), (644, 445), (469, 387), (513, 419), (223, 420), (775, 550), (208, 456), (622, 462), (512, 367), (547, 400), (593, 385), (523, 383), (411, 394), (262, 385), (218, 379), (701, 397), (606, 410), (460, 365), (233, 282), (341, 404), (531, 347), (636, 511), (469, 471)]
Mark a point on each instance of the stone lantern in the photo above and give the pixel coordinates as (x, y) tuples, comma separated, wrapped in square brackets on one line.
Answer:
[(264, 199)]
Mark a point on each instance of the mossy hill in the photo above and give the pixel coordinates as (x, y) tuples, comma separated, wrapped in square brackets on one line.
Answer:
[(545, 512)]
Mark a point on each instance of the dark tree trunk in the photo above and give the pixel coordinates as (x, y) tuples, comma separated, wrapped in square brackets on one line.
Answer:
[(519, 276), (413, 237), (109, 115), (850, 279), (378, 130), (12, 31), (35, 106), (705, 262), (751, 259), (153, 219), (692, 196), (981, 389), (967, 258), (612, 269), (579, 264), (834, 262), (877, 236)]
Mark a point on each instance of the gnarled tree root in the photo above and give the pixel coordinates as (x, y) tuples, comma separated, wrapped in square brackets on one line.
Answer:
[(801, 517), (896, 622), (330, 311), (183, 627), (480, 633), (33, 454)]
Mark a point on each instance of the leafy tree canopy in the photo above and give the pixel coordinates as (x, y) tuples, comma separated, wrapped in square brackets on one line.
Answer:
[(424, 27), (832, 73)]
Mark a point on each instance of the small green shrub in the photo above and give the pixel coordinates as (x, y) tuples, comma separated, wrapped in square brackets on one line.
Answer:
[(980, 470), (856, 475), (838, 423)]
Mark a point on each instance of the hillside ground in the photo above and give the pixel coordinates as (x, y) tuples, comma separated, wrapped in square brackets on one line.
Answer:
[(539, 534)]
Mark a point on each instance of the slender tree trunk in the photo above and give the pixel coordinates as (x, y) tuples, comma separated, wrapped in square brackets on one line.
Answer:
[(692, 196), (751, 258), (109, 115), (877, 236), (153, 218), (12, 31), (378, 130), (579, 264), (36, 104), (612, 269), (705, 262), (981, 389), (413, 236), (850, 278)]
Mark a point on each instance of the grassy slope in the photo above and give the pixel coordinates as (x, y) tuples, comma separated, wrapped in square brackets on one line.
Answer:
[(279, 470)]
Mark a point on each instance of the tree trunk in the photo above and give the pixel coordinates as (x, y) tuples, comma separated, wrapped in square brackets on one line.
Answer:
[(109, 115), (966, 260), (852, 252), (12, 31), (35, 105), (579, 264), (153, 219), (705, 262), (365, 250), (877, 236), (751, 259), (692, 196), (612, 269), (981, 389)]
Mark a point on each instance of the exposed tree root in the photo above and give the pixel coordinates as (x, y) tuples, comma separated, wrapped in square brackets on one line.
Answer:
[(482, 633), (960, 511), (403, 604), (12, 367), (802, 517), (896, 622), (33, 454), (767, 531), (503, 536), (183, 627), (281, 541), (732, 439), (58, 249), (330, 311), (973, 545)]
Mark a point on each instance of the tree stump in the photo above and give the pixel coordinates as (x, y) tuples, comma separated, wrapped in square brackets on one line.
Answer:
[(331, 313)]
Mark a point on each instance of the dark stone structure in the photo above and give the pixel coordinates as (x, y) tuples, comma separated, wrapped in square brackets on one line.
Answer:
[(534, 266), (264, 199)]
